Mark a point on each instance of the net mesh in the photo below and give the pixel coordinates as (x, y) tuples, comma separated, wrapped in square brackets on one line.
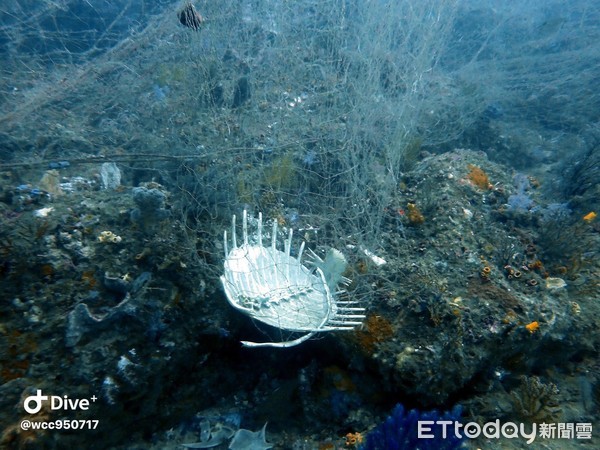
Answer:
[(278, 104), (540, 61), (309, 111)]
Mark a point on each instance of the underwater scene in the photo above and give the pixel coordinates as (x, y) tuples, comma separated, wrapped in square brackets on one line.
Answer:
[(299, 225)]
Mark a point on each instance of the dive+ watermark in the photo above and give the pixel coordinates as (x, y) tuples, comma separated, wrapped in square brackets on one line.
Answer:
[(56, 403), (33, 404)]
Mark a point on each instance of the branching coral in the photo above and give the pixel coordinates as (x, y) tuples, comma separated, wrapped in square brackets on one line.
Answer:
[(534, 400)]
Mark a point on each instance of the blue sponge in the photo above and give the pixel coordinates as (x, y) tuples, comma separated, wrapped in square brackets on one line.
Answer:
[(400, 431)]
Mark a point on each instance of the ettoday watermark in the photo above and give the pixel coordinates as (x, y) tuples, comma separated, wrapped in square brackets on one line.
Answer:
[(429, 429)]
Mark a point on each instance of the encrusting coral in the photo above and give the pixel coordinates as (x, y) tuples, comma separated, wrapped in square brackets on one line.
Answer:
[(478, 177)]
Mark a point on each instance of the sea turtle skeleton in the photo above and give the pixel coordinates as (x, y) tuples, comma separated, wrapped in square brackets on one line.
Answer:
[(276, 288)]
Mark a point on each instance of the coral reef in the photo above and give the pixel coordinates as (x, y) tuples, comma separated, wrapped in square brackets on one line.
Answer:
[(415, 217), (354, 439), (50, 183), (109, 237), (110, 175), (520, 201), (478, 177), (535, 401), (443, 297), (590, 217), (131, 131), (82, 321), (376, 329), (150, 210)]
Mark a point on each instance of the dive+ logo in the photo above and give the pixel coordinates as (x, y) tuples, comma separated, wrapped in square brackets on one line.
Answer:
[(33, 403)]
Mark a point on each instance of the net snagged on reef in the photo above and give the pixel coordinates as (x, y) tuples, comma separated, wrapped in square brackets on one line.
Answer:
[(310, 111), (292, 109)]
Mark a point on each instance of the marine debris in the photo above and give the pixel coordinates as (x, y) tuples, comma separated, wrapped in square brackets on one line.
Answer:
[(189, 17), (250, 440)]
